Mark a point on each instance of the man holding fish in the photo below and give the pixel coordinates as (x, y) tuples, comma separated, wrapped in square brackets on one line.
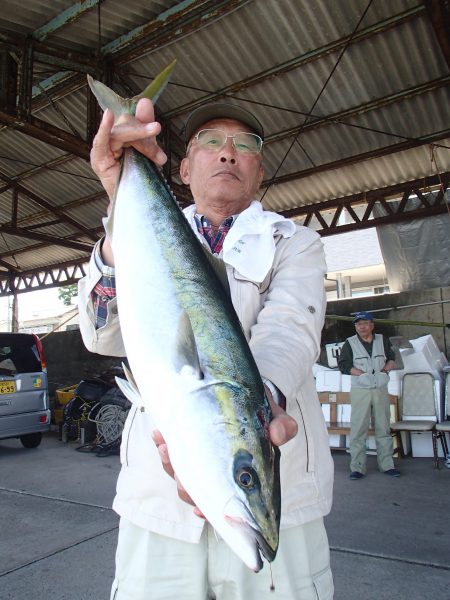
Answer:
[(203, 430)]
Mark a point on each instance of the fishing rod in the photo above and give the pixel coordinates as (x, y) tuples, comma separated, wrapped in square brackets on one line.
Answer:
[(393, 321)]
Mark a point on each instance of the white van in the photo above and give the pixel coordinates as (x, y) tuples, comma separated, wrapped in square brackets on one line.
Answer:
[(24, 401)]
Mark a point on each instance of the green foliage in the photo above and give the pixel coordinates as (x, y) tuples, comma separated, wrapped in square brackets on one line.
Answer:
[(67, 292)]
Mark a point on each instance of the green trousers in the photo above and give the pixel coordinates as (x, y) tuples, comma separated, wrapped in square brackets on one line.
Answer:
[(367, 403)]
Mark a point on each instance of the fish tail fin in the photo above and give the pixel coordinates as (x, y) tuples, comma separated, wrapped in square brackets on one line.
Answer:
[(107, 98)]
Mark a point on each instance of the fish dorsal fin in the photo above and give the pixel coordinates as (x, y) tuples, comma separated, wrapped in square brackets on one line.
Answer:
[(186, 353), (107, 98), (128, 387), (219, 268)]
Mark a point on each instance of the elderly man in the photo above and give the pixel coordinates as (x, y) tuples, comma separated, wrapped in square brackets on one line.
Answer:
[(165, 549), (368, 357)]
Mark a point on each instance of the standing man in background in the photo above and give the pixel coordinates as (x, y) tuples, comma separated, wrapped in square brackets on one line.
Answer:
[(368, 357)]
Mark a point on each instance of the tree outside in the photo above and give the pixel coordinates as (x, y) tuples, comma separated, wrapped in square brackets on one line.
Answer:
[(67, 292)]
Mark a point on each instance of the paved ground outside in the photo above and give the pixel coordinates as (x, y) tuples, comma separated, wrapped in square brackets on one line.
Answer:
[(389, 537)]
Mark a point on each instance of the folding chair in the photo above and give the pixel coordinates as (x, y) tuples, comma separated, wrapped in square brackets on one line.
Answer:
[(444, 427), (418, 410)]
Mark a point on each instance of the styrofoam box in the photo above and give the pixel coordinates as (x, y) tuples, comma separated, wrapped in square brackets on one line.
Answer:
[(344, 412), (427, 345), (370, 443), (346, 383), (326, 411), (394, 384), (317, 368), (336, 441), (422, 445), (328, 381), (418, 363)]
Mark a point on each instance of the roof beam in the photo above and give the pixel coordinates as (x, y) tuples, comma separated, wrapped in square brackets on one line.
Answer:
[(51, 208), (325, 212), (299, 61), (47, 133), (171, 25), (439, 15), (48, 53), (385, 151), (39, 279), (177, 21), (337, 118), (25, 233), (67, 16)]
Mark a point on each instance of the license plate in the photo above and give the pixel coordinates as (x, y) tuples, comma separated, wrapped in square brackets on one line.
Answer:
[(7, 387)]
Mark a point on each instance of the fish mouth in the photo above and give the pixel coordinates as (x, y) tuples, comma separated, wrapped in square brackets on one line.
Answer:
[(254, 534), (266, 550)]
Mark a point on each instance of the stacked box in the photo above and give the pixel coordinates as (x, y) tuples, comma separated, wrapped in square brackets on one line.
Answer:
[(422, 445)]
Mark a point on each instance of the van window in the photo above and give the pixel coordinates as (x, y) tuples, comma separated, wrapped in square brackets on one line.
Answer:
[(18, 354)]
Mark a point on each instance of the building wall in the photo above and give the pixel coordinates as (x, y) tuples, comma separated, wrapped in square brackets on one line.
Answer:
[(68, 361), (405, 321)]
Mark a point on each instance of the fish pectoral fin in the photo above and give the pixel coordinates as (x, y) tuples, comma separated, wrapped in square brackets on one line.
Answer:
[(128, 387), (186, 353)]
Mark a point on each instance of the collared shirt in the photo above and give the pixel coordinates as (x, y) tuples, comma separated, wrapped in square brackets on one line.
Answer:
[(215, 239), (105, 290)]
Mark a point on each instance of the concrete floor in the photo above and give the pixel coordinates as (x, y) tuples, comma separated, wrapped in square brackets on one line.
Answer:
[(389, 538)]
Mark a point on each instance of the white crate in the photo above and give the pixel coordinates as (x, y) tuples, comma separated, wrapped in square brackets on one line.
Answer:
[(346, 383), (326, 411), (422, 445), (328, 381), (335, 440)]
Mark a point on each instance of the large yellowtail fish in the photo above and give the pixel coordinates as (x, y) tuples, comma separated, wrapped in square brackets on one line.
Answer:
[(190, 361)]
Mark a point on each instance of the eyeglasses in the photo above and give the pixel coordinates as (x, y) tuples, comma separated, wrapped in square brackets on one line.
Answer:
[(214, 140)]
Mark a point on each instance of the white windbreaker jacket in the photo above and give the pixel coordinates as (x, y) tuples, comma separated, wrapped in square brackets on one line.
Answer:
[(282, 317)]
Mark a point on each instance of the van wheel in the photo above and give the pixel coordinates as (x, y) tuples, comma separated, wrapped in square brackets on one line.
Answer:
[(32, 440)]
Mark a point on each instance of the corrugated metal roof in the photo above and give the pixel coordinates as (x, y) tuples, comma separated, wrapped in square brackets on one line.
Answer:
[(350, 97)]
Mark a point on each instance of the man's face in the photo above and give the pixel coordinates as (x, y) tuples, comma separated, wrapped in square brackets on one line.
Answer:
[(364, 328), (225, 176)]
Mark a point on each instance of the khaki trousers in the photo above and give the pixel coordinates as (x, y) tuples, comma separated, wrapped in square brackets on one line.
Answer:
[(366, 403), (154, 567)]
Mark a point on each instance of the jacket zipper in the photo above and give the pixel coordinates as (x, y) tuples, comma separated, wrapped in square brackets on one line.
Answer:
[(128, 437), (306, 435)]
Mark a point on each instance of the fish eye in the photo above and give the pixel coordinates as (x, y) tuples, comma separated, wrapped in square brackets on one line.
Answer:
[(245, 479)]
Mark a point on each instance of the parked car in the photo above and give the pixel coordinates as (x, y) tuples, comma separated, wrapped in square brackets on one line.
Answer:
[(24, 401)]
